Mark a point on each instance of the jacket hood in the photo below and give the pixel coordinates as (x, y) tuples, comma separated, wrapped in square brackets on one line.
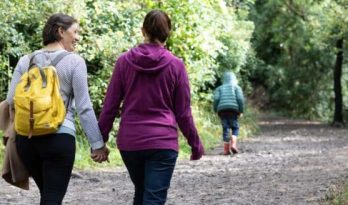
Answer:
[(230, 78), (148, 58)]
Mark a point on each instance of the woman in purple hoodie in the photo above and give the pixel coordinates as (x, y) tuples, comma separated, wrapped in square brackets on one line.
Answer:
[(153, 85)]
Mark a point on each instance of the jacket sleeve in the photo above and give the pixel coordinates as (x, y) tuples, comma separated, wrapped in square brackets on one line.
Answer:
[(183, 114), (216, 99), (240, 99), (112, 101), (84, 105), (16, 77)]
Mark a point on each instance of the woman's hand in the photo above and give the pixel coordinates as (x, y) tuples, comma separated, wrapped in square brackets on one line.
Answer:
[(100, 155), (197, 153)]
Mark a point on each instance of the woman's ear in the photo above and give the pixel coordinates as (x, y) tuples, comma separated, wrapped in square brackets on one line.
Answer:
[(61, 31)]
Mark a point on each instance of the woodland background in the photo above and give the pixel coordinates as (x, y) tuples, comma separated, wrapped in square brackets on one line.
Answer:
[(289, 55)]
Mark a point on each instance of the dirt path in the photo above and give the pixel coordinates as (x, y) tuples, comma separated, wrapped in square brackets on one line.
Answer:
[(290, 162)]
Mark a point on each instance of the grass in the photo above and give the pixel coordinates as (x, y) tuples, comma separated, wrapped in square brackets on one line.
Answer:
[(83, 160), (207, 123), (209, 126), (82, 156), (339, 196)]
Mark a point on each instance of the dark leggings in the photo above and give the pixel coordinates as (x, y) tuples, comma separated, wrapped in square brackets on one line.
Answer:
[(49, 159)]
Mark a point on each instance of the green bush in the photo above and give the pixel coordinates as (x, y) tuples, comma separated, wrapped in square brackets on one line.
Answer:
[(297, 44), (208, 35), (2, 149)]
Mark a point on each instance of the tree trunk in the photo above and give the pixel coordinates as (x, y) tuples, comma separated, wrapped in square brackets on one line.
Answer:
[(338, 117)]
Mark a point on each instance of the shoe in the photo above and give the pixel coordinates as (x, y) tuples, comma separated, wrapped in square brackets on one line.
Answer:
[(233, 144), (226, 148)]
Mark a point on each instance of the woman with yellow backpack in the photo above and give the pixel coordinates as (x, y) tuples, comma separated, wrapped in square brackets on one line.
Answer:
[(45, 122)]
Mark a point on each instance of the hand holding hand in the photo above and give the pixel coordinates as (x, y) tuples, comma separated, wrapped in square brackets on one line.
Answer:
[(100, 155)]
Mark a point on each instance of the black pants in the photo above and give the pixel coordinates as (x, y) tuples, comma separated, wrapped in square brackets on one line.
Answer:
[(150, 172), (49, 159)]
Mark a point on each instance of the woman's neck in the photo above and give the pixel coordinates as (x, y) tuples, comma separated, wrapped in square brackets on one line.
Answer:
[(146, 40), (54, 46)]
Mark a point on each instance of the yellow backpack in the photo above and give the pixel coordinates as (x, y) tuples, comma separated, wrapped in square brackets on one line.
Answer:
[(39, 106)]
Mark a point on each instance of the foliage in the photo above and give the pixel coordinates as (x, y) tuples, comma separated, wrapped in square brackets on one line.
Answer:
[(338, 196), (296, 39), (107, 31), (211, 36), (2, 149)]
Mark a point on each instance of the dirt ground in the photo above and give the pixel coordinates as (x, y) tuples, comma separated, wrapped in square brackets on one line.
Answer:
[(289, 162)]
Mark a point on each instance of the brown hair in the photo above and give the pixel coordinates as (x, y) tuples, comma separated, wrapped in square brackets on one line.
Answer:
[(50, 32), (157, 25)]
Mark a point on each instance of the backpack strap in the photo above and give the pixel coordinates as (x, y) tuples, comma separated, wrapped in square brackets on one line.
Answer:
[(31, 59), (60, 57), (31, 64), (54, 63)]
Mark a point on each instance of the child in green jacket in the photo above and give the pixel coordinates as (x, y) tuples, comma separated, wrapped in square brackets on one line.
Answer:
[(229, 104)]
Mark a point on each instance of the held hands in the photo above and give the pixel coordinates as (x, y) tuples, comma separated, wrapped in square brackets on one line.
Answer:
[(100, 155)]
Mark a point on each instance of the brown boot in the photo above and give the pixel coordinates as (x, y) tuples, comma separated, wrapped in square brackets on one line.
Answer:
[(233, 144), (226, 148)]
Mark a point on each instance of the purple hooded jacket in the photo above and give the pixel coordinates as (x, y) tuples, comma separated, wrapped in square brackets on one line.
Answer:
[(153, 85)]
